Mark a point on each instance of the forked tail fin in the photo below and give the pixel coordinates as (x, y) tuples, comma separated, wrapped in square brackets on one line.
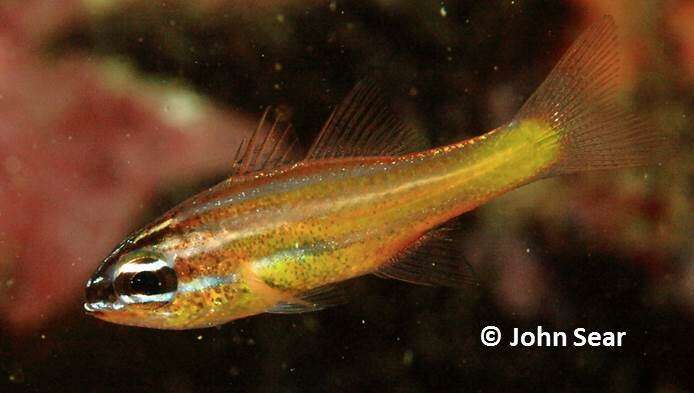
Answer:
[(578, 101)]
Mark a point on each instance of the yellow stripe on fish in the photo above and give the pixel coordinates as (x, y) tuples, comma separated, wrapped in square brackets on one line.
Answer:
[(284, 231)]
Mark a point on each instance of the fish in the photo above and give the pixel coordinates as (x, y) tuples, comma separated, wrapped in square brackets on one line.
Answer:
[(286, 231)]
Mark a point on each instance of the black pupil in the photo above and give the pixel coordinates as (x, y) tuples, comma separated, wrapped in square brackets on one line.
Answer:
[(146, 283)]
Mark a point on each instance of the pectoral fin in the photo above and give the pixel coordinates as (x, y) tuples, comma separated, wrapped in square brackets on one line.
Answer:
[(313, 300), (433, 260)]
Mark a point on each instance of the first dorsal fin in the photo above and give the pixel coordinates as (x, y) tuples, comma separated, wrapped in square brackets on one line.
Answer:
[(272, 144), (363, 125)]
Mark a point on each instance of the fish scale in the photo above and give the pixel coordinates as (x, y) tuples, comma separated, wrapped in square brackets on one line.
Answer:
[(285, 230)]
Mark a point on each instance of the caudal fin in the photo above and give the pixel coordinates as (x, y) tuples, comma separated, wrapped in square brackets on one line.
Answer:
[(578, 101)]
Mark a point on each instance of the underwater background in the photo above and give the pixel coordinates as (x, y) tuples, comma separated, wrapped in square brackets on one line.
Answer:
[(113, 111)]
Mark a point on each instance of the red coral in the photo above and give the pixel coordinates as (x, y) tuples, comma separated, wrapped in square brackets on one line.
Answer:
[(78, 161)]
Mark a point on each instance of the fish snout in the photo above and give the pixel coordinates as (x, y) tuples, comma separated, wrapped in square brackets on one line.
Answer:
[(99, 294)]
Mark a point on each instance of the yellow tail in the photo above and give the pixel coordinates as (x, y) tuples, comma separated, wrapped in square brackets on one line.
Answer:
[(578, 101)]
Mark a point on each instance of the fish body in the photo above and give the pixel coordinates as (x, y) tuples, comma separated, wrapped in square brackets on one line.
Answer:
[(279, 238)]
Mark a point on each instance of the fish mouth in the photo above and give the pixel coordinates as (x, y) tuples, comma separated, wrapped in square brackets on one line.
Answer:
[(100, 296), (92, 308), (98, 308), (89, 310)]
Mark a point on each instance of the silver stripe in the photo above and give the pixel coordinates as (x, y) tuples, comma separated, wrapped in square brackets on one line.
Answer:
[(204, 282)]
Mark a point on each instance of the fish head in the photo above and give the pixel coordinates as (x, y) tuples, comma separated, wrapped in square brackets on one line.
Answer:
[(133, 288), (159, 278)]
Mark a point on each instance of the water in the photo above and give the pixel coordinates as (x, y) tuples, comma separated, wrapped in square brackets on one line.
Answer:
[(112, 112)]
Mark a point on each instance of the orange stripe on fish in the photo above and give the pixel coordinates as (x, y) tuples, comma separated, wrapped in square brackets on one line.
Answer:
[(284, 231)]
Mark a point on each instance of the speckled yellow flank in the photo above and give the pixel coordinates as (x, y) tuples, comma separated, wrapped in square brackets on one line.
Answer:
[(283, 232), (353, 224)]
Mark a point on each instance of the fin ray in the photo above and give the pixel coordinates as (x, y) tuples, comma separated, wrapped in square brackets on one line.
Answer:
[(578, 101), (363, 125), (432, 260), (271, 145), (316, 299)]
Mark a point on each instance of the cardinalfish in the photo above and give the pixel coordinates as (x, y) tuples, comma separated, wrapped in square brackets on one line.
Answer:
[(282, 233)]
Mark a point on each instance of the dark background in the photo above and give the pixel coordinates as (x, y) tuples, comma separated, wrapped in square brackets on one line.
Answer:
[(607, 252)]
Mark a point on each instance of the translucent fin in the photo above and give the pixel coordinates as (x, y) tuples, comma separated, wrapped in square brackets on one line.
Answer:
[(288, 307), (272, 144), (363, 125), (433, 260), (578, 100), (313, 300)]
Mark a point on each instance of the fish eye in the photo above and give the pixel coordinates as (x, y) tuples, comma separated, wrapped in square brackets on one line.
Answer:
[(145, 280)]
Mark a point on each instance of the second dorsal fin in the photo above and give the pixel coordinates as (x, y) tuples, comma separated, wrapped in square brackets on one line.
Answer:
[(272, 144), (363, 125)]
